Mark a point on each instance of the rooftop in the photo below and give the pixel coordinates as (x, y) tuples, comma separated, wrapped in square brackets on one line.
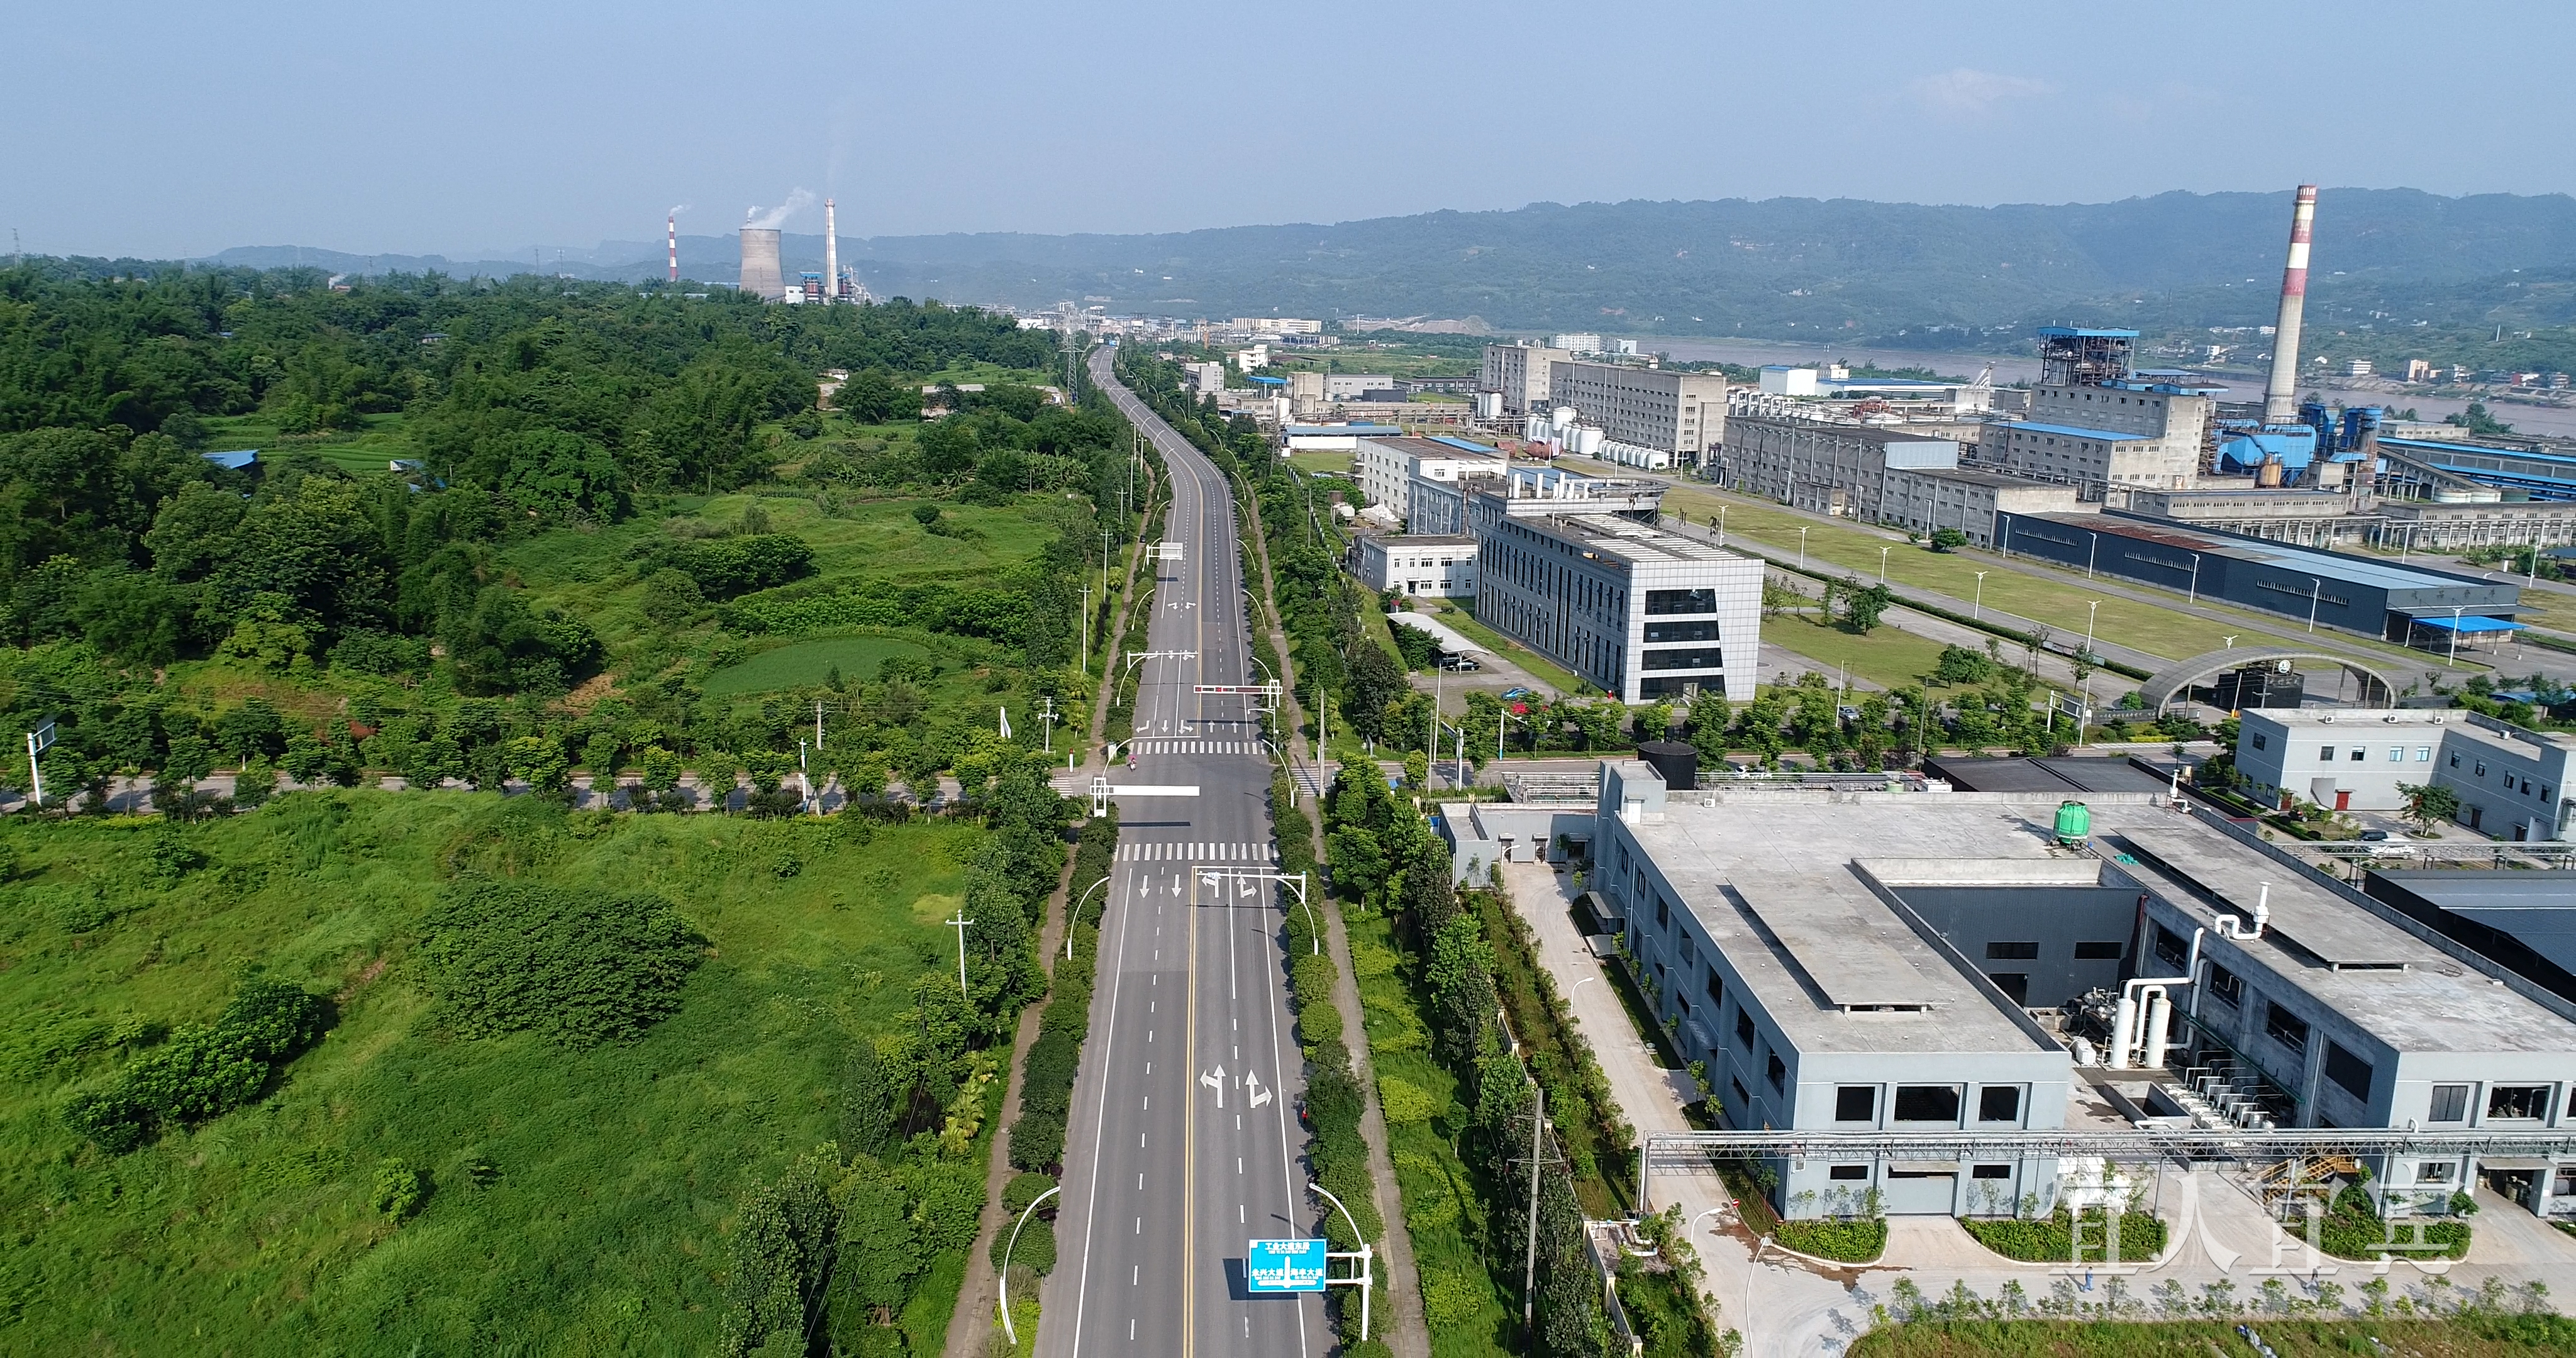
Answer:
[(1438, 448), (2328, 565), (1323, 430), (2077, 431), (1783, 880), (2079, 332), (1634, 541)]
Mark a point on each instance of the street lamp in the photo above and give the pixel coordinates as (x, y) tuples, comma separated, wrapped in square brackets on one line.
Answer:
[(1802, 548), (2455, 635), (1721, 525), (2089, 611), (1074, 916), (1882, 564), (1977, 610), (1012, 1334), (2316, 595)]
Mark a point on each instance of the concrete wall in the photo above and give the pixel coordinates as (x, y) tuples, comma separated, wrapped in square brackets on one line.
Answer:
[(2049, 921)]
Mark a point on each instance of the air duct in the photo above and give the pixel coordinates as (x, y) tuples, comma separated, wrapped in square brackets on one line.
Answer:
[(760, 275), (2281, 394)]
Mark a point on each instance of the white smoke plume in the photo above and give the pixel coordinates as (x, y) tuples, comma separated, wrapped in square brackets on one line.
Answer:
[(680, 209), (771, 219)]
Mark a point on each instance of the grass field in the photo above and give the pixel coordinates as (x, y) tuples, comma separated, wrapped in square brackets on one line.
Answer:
[(1339, 464), (362, 450), (803, 664), (1889, 656), (1444, 1213), (618, 1170), (2058, 604)]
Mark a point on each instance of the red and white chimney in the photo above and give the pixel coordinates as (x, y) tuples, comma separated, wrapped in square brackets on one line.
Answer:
[(2281, 394), (672, 224)]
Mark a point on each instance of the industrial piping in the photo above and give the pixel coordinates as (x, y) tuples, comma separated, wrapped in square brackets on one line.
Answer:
[(2145, 1014), (2281, 394)]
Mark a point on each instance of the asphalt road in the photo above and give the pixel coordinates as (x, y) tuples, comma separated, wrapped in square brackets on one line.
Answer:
[(1184, 1142)]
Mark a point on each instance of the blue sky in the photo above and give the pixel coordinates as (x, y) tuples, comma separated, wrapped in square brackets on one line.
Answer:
[(164, 129)]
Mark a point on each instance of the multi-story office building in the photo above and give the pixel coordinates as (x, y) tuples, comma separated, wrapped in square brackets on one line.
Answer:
[(1873, 961), (1829, 468), (2512, 782), (1423, 565), (1387, 469), (1637, 611), (1928, 499), (1521, 373), (1681, 413)]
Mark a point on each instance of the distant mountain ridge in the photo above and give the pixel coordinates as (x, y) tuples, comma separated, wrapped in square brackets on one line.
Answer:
[(1787, 267)]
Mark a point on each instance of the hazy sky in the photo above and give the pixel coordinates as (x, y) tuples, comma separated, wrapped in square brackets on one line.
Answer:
[(179, 129)]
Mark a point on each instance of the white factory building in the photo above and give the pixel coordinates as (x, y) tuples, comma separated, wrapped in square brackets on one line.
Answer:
[(2512, 783)]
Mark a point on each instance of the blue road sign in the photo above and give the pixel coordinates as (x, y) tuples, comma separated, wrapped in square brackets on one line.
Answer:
[(1285, 1265)]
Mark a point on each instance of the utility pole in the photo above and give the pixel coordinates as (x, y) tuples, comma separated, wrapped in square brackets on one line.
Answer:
[(1538, 1156), (1086, 629), (960, 924), (1046, 725)]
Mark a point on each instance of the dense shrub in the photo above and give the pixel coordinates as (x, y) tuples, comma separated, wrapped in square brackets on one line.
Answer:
[(203, 1071), (580, 968), (1857, 1240), (2051, 1239), (726, 567)]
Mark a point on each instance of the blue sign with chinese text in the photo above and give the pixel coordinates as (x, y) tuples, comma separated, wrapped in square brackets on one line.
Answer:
[(1285, 1266)]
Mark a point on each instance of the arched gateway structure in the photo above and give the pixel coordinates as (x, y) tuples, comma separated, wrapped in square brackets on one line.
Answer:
[(2172, 681)]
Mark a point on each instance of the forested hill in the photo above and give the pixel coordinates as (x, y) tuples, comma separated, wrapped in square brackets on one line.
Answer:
[(1783, 267)]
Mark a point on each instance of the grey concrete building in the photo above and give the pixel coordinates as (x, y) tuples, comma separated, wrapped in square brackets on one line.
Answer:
[(1521, 373), (1924, 499), (1658, 408), (1424, 566), (1642, 613), (2512, 783), (1828, 468), (1883, 961)]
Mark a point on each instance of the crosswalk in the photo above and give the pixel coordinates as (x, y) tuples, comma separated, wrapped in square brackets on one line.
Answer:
[(1198, 747), (1181, 851)]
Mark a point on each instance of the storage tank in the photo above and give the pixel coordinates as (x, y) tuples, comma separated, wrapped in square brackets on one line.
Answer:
[(2074, 823), (1677, 761)]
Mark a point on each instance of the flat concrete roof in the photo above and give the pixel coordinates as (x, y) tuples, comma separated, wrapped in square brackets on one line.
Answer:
[(2065, 777), (1776, 878), (1745, 861), (1632, 540)]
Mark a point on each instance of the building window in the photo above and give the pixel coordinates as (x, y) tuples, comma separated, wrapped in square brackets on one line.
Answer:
[(2226, 986), (2286, 1028), (1663, 912), (2396, 754), (2525, 1102), (2435, 1171), (1847, 1171), (1990, 1172), (2450, 1104), (1744, 1029), (2482, 768), (2106, 950), (2260, 741), (2326, 753), (1665, 601), (1999, 1103), (2012, 952), (1856, 1103), (2455, 761), (1716, 987), (1777, 1072), (2172, 948), (2359, 754), (2423, 753), (2014, 984), (2348, 1070), (1927, 1103)]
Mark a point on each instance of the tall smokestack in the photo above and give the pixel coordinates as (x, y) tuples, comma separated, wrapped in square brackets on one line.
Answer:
[(831, 256), (672, 224), (760, 276), (2281, 394)]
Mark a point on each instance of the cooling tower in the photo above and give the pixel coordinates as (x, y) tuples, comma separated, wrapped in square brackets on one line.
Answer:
[(2281, 394), (760, 273)]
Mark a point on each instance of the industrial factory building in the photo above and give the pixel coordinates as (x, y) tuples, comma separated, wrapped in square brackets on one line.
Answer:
[(1931, 961), (1572, 567), (1388, 470), (2405, 604), (1520, 373)]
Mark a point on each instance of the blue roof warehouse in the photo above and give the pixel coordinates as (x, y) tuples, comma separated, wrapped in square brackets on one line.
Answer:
[(2322, 589)]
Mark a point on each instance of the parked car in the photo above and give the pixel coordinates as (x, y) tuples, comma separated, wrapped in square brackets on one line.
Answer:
[(2374, 836)]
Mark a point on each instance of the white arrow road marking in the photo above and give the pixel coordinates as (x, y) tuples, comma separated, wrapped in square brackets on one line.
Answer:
[(1215, 1080), (1260, 1095)]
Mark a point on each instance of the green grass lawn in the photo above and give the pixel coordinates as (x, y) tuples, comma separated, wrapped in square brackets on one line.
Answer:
[(1444, 1215), (2058, 604), (368, 449), (2498, 1336), (1320, 460), (803, 664), (619, 1169), (1889, 656)]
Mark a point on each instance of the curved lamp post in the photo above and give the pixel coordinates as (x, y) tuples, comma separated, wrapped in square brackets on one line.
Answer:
[(1366, 1257), (1074, 916), (1005, 1279)]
